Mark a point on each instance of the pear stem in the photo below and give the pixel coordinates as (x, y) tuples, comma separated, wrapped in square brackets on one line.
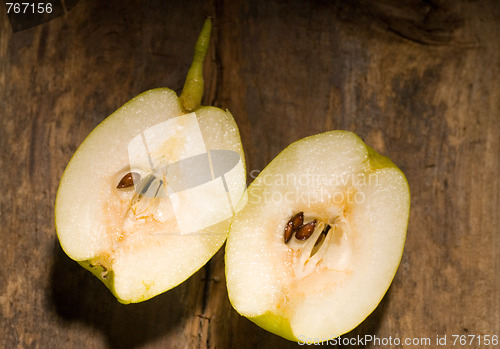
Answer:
[(192, 92)]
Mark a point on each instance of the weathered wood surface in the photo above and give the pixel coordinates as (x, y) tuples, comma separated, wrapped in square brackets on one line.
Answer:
[(418, 80)]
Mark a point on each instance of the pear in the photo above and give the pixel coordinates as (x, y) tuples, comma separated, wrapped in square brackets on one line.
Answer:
[(147, 198), (319, 241)]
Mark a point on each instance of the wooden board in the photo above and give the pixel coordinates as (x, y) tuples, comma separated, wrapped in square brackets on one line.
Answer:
[(417, 80)]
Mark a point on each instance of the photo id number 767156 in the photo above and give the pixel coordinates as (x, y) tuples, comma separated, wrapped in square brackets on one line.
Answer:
[(26, 7)]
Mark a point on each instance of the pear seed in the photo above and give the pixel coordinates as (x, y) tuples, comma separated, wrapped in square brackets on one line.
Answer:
[(305, 231), (128, 180), (293, 224), (298, 220), (288, 231)]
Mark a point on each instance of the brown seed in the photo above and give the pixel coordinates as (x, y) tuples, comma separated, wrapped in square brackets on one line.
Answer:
[(128, 180), (305, 231), (298, 220), (288, 231), (293, 224)]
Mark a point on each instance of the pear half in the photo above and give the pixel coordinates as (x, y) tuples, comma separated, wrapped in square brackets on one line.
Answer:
[(147, 198), (319, 241)]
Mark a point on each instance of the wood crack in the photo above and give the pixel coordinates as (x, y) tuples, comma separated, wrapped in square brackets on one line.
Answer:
[(203, 319)]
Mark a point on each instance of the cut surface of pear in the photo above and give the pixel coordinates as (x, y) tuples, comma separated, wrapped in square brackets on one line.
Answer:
[(141, 251), (147, 198), (331, 274)]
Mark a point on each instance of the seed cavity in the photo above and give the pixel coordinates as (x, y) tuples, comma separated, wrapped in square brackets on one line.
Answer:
[(148, 198), (293, 225), (150, 186), (323, 240), (305, 231), (320, 240), (128, 180)]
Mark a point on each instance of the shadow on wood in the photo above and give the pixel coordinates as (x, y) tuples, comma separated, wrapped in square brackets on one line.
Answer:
[(78, 296)]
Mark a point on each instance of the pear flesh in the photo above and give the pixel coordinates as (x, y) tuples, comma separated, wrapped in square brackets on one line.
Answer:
[(324, 286)]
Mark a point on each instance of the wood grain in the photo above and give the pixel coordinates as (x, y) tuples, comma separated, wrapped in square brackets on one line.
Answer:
[(417, 80)]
